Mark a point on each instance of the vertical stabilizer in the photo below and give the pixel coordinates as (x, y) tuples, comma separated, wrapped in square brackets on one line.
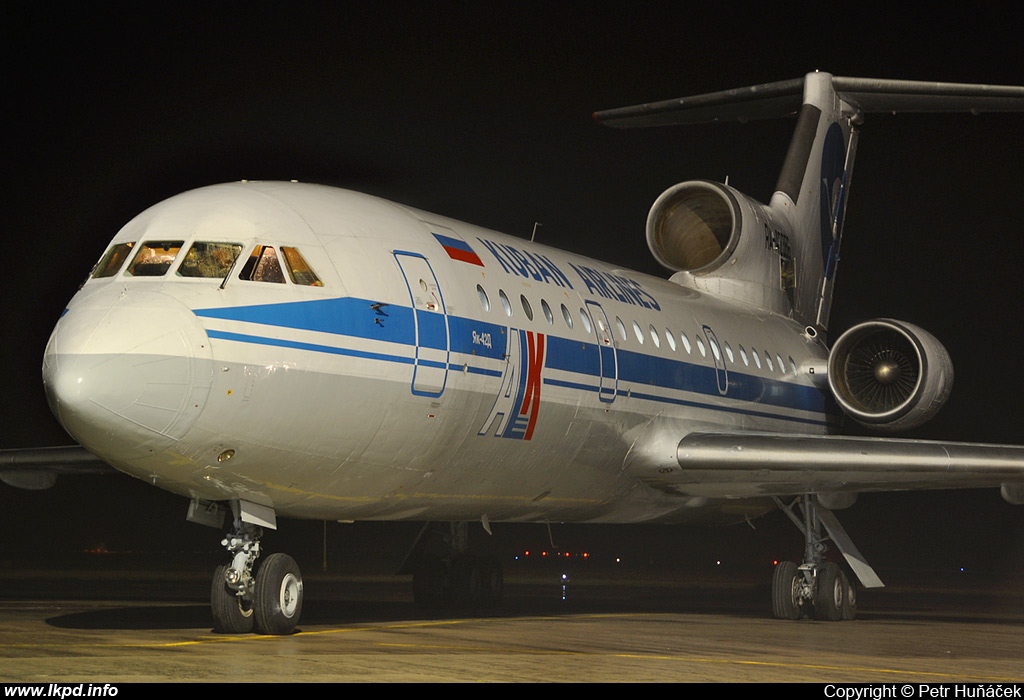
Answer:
[(811, 194)]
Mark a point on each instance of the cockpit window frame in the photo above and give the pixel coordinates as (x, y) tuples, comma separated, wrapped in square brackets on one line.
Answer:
[(113, 260), (216, 262), (158, 250)]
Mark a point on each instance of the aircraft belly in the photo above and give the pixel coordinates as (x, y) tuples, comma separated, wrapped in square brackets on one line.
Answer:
[(346, 438), (346, 446)]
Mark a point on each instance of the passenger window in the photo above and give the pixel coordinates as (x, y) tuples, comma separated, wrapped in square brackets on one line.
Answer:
[(262, 266), (566, 316), (209, 260), (113, 260), (547, 312), (154, 258), (527, 309), (586, 320), (714, 348), (484, 301), (299, 270)]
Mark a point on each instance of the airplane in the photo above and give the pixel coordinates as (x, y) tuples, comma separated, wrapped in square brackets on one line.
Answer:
[(283, 349)]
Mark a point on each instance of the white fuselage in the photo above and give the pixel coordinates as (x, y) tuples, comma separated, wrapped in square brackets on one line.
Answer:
[(439, 371)]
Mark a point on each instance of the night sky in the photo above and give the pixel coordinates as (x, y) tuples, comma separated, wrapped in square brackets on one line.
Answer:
[(482, 112)]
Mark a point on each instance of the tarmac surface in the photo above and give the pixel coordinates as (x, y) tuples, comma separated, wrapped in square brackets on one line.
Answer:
[(110, 624)]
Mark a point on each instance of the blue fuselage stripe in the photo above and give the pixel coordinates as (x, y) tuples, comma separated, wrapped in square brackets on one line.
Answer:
[(368, 320)]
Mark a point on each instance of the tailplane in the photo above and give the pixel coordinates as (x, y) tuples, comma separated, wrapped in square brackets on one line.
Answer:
[(782, 256)]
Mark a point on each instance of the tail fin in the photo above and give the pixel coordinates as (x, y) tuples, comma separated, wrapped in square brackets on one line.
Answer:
[(810, 197)]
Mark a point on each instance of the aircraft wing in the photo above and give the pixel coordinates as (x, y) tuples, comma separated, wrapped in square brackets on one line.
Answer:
[(38, 467), (768, 464)]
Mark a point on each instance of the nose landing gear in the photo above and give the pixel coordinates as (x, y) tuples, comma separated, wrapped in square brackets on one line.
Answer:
[(247, 596)]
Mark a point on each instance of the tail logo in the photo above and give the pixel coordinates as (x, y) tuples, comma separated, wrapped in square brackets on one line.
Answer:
[(833, 191)]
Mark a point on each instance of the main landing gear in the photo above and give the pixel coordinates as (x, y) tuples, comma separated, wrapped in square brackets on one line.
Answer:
[(445, 574), (815, 588), (247, 595)]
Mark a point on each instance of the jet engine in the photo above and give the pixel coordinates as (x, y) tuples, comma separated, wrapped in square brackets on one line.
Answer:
[(696, 225), (889, 375), (718, 240)]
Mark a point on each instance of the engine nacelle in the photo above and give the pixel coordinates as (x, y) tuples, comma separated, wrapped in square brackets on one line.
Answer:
[(889, 375), (691, 226), (720, 241), (695, 226)]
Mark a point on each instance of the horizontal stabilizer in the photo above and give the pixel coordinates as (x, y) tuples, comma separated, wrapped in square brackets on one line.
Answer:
[(784, 98)]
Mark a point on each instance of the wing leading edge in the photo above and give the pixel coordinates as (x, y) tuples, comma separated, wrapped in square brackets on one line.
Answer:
[(37, 468), (768, 464)]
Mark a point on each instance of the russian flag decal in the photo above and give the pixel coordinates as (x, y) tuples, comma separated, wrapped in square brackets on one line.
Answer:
[(458, 249)]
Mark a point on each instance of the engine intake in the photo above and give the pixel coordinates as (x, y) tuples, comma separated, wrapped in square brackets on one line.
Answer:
[(889, 375), (694, 226)]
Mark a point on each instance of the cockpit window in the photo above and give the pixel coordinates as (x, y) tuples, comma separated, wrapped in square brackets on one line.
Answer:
[(113, 260), (299, 270), (262, 266), (206, 259), (154, 258)]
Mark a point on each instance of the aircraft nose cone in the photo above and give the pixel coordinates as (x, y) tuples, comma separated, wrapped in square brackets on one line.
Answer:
[(129, 373)]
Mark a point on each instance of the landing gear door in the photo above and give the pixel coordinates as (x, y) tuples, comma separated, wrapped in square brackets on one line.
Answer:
[(430, 324)]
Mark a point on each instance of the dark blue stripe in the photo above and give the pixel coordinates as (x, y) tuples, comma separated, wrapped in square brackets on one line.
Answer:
[(366, 319)]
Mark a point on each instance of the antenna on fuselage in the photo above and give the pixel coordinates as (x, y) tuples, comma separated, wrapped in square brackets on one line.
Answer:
[(534, 234)]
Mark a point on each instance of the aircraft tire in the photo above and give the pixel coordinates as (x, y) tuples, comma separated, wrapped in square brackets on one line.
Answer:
[(830, 594), (465, 583), (492, 582), (278, 594), (849, 599), (231, 614), (785, 591)]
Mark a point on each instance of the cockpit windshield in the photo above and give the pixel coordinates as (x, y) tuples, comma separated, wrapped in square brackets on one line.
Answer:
[(264, 265), (110, 263), (154, 258), (205, 259)]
